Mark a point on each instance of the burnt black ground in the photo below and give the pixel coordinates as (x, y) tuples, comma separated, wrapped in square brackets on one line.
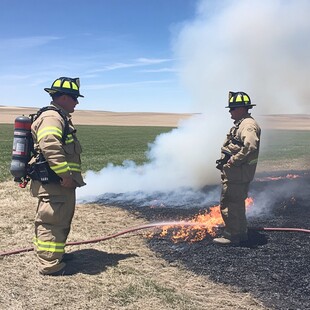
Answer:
[(273, 265)]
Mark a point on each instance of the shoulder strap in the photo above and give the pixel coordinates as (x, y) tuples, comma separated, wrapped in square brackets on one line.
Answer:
[(33, 117)]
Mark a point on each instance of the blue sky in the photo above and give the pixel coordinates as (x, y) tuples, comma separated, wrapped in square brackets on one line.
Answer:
[(122, 50), (158, 55)]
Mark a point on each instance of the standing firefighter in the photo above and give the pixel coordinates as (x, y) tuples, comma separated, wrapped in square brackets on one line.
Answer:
[(237, 164), (55, 174)]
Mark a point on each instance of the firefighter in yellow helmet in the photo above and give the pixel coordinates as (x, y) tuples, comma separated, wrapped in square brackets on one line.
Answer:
[(237, 164), (55, 173)]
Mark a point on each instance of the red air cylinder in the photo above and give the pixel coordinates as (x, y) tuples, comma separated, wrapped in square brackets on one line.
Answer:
[(21, 147)]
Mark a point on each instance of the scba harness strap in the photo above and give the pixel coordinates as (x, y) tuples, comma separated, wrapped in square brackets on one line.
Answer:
[(40, 169), (233, 135), (61, 113), (232, 139)]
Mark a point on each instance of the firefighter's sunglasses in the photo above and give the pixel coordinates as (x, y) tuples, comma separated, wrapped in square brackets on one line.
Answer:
[(75, 98)]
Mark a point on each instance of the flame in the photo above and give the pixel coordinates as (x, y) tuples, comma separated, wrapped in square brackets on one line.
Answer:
[(199, 226), (288, 176)]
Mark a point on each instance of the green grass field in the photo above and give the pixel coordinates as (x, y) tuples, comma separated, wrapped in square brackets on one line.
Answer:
[(285, 145), (114, 144), (101, 145)]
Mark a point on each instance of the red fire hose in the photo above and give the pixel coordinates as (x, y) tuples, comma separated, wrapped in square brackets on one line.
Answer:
[(146, 226), (283, 229)]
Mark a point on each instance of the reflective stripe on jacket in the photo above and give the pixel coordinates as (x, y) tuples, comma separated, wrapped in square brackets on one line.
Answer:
[(63, 158)]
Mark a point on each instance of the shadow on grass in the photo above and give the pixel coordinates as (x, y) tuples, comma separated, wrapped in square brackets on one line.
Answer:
[(92, 262)]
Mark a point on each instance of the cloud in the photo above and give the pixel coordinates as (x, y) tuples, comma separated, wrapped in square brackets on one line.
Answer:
[(160, 70), (136, 63), (130, 84), (152, 61), (26, 43)]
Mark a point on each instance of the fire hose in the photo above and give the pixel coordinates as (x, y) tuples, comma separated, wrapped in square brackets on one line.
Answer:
[(147, 226)]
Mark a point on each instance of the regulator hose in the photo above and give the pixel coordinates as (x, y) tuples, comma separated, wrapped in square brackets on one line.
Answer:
[(147, 226)]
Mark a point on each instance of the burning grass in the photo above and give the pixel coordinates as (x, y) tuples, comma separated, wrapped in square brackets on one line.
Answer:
[(204, 224), (273, 266), (122, 273)]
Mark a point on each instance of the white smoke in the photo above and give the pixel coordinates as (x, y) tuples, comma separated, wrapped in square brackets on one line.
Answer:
[(261, 47), (279, 194), (182, 158)]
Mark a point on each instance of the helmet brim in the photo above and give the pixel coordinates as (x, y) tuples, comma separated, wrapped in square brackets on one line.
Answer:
[(52, 91), (241, 106)]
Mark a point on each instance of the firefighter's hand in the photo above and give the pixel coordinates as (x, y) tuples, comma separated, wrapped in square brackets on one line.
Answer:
[(67, 182), (229, 163)]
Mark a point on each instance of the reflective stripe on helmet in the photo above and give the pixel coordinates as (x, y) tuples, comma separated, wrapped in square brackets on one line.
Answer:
[(65, 85), (240, 98), (57, 83)]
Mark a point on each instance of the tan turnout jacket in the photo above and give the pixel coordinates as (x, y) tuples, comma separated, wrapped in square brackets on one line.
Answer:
[(243, 143), (63, 158)]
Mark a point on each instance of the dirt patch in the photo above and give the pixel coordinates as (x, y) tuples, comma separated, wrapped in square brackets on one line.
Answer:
[(286, 121), (87, 117), (84, 117)]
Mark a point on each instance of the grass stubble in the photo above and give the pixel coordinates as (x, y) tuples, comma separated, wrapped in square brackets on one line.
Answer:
[(120, 273)]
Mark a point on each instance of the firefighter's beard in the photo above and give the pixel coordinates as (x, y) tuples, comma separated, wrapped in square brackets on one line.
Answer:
[(183, 158)]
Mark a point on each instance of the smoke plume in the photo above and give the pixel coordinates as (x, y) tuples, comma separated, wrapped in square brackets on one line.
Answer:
[(182, 158), (258, 46), (261, 47)]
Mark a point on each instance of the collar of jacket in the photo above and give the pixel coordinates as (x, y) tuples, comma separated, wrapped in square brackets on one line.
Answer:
[(237, 123), (60, 108)]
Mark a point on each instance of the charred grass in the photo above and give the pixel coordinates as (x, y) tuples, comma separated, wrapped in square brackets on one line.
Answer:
[(273, 266), (121, 273)]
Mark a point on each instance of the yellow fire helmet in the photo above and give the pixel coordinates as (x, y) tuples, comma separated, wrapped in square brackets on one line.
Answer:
[(239, 99), (66, 85)]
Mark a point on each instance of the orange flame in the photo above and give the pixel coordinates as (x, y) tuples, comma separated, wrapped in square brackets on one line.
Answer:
[(288, 176), (198, 227)]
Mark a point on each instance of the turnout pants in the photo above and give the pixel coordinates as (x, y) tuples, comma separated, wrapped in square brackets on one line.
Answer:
[(233, 210), (52, 226)]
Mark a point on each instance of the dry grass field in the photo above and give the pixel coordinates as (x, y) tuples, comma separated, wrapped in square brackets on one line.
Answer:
[(82, 117), (121, 273)]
